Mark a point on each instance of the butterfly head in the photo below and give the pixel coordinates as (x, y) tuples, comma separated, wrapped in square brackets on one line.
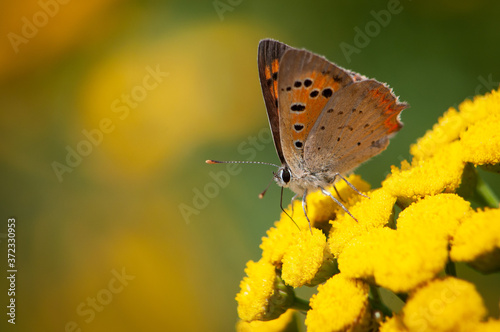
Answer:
[(283, 176)]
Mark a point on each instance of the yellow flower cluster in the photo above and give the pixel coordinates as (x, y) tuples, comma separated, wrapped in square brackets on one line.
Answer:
[(411, 253), (263, 295)]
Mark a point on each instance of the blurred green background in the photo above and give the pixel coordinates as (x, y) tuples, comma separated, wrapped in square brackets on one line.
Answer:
[(101, 241)]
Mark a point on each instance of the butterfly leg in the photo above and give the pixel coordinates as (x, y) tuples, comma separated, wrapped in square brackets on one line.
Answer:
[(304, 207), (349, 184), (327, 193), (338, 194)]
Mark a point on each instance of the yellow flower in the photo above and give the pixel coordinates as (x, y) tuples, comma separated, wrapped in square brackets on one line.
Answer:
[(439, 173), (408, 255), (444, 305), (434, 216), (481, 107), (341, 304), (447, 130), (307, 261), (280, 237), (373, 212), (477, 241), (481, 141), (392, 260), (452, 124), (287, 322), (263, 296)]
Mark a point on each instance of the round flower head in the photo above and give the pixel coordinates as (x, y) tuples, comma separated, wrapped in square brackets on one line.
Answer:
[(307, 261), (373, 212), (340, 305), (444, 305), (477, 241), (263, 295)]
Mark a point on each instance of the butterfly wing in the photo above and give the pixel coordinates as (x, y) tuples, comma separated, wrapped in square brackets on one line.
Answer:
[(355, 125), (269, 54), (306, 82)]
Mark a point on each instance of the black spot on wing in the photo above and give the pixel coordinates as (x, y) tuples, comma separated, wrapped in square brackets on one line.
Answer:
[(298, 107), (298, 127), (314, 93), (327, 92)]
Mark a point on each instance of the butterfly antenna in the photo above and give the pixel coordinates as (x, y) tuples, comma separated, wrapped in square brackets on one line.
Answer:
[(210, 161), (261, 195)]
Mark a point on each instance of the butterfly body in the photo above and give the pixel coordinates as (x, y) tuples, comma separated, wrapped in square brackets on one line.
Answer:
[(325, 120), (300, 183)]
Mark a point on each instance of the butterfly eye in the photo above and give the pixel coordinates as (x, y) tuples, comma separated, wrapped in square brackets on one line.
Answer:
[(285, 175)]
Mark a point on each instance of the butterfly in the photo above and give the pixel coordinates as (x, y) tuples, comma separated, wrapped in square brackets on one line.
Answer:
[(325, 120)]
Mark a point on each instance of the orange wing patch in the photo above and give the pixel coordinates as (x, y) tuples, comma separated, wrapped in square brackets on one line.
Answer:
[(267, 72), (275, 67), (271, 73), (389, 107)]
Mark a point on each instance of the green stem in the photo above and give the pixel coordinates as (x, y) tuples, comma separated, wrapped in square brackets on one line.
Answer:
[(300, 304), (450, 269), (484, 192), (376, 301)]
